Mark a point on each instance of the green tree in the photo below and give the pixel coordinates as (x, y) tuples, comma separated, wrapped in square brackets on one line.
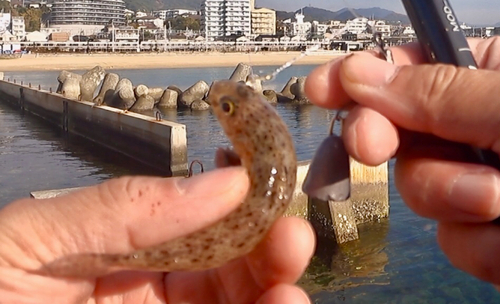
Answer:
[(181, 23), (5, 6), (33, 17)]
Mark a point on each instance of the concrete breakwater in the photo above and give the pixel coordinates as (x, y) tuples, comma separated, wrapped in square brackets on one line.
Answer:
[(337, 221), (161, 145)]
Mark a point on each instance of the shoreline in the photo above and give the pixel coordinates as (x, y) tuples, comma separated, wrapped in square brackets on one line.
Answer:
[(47, 62)]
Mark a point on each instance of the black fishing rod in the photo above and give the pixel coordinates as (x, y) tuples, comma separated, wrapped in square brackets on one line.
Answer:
[(439, 32)]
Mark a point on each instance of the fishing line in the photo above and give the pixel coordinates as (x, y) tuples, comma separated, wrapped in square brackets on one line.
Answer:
[(376, 37)]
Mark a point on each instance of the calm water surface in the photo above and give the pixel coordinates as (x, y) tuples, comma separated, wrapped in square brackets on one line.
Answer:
[(395, 261)]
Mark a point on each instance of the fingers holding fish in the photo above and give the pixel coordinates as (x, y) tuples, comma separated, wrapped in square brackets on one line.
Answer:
[(117, 216), (279, 260)]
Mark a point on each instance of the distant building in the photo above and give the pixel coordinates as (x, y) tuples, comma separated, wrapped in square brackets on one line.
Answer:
[(172, 13), (36, 36), (222, 18), (86, 17), (318, 30), (6, 37), (150, 22), (129, 13), (300, 28), (125, 33), (357, 25), (18, 27), (4, 22), (381, 27), (263, 21), (36, 3), (409, 31), (489, 31)]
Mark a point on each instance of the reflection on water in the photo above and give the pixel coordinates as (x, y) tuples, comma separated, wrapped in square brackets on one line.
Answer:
[(307, 125), (35, 156), (362, 262), (395, 261)]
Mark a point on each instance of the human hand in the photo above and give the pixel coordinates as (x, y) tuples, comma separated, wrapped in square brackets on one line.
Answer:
[(454, 104), (133, 212)]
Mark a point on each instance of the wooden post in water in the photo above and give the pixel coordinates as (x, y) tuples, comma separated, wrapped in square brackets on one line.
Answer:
[(369, 192), (369, 201)]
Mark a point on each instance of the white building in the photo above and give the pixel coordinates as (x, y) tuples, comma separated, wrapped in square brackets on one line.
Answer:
[(381, 27), (172, 13), (4, 22), (357, 25), (222, 18), (36, 36), (39, 4), (18, 27), (129, 13), (300, 28), (86, 16), (318, 29), (124, 33), (409, 31)]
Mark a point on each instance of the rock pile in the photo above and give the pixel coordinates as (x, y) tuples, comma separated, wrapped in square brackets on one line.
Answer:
[(122, 94)]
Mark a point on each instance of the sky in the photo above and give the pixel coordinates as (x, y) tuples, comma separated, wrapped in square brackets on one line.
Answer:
[(469, 11)]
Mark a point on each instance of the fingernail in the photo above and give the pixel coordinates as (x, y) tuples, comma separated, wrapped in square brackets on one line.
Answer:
[(475, 193), (368, 70), (215, 181)]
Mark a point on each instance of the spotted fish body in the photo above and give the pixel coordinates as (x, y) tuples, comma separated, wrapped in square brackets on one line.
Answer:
[(261, 140)]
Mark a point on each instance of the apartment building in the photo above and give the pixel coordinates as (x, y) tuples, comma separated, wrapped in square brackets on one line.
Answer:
[(87, 16), (263, 21), (380, 26), (357, 25), (222, 18), (18, 27), (172, 13)]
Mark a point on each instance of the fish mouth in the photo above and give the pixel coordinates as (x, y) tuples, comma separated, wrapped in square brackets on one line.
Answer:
[(226, 157)]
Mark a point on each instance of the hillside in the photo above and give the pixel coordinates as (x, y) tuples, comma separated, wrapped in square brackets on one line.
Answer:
[(151, 5), (311, 13), (322, 15)]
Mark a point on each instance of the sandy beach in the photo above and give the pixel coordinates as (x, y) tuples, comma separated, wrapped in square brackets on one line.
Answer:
[(33, 62)]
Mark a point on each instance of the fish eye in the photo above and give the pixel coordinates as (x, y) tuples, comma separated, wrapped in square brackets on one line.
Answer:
[(227, 106)]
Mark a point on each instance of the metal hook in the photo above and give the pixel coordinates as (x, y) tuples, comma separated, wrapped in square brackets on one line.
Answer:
[(157, 114), (190, 171), (340, 115), (337, 117)]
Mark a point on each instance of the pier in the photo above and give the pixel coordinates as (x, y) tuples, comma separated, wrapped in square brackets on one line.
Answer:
[(161, 145)]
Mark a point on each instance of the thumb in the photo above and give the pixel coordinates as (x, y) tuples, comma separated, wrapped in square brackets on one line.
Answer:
[(453, 103), (117, 216)]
